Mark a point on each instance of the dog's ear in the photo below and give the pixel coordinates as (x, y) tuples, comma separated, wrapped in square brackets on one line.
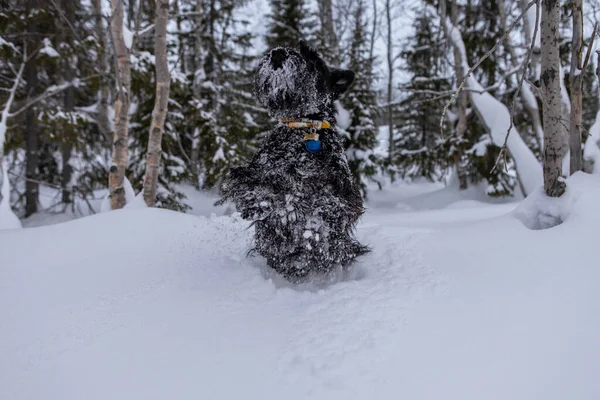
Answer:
[(341, 79), (306, 50)]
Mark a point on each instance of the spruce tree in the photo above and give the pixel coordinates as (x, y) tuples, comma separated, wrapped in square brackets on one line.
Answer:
[(420, 148), (361, 102), (288, 23)]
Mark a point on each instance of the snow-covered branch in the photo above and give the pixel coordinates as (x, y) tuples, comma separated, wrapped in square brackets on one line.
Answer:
[(496, 118)]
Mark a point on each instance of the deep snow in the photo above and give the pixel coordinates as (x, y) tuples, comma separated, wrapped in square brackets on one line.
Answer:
[(458, 300)]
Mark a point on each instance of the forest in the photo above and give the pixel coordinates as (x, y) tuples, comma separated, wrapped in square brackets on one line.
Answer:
[(69, 72)]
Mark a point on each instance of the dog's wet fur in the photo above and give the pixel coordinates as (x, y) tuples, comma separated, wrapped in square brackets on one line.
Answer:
[(304, 206)]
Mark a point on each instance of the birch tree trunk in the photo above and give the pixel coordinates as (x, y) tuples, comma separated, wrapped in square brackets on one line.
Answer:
[(161, 102), (104, 125), (552, 107), (4, 115), (462, 101), (116, 177), (575, 83)]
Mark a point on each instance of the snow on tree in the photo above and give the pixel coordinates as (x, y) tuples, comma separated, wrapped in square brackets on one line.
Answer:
[(496, 117), (361, 102)]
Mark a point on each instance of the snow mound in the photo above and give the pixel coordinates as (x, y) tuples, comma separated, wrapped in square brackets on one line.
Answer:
[(130, 197), (539, 211)]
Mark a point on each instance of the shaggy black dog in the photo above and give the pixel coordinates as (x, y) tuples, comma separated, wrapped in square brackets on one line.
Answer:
[(298, 189)]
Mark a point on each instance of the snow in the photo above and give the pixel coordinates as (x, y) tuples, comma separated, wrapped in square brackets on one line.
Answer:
[(459, 299), (127, 37), (130, 198), (3, 42), (343, 117), (48, 49)]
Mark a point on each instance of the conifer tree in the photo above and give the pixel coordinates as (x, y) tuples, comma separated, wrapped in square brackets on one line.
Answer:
[(418, 152), (361, 102), (288, 23)]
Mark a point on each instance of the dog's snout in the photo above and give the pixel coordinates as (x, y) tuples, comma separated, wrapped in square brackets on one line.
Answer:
[(278, 56)]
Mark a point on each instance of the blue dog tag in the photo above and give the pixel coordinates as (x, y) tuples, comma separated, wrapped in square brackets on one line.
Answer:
[(313, 145)]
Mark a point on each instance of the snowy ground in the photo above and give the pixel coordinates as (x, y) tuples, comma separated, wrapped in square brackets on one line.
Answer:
[(458, 300)]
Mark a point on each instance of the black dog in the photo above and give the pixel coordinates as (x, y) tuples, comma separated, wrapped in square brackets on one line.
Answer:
[(298, 188)]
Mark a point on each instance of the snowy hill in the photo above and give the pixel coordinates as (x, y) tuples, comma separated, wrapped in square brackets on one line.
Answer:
[(460, 302)]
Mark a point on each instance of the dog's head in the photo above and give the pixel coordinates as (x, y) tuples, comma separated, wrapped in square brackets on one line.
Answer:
[(296, 83)]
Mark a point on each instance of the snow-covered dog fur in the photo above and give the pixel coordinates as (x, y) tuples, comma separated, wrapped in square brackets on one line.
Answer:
[(304, 205)]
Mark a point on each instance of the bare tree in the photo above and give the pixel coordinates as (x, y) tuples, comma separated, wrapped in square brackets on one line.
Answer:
[(161, 102), (554, 185), (116, 180)]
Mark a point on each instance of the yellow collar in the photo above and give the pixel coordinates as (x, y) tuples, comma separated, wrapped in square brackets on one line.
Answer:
[(294, 124)]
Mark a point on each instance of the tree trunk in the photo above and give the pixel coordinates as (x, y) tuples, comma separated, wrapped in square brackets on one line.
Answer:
[(104, 125), (554, 186), (462, 101), (4, 115), (575, 83), (120, 141), (32, 129), (199, 78), (67, 148), (31, 143), (390, 65), (160, 104), (69, 103), (373, 30), (328, 32)]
